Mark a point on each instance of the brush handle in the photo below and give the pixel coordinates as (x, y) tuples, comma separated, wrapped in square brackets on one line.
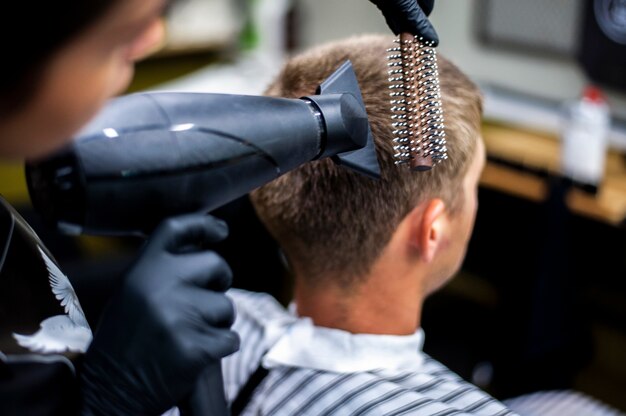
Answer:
[(419, 161)]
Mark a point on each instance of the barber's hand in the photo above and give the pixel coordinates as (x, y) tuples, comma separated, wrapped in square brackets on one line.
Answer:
[(409, 16), (169, 321)]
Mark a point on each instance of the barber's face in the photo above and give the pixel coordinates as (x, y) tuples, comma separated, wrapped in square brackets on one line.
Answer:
[(80, 77)]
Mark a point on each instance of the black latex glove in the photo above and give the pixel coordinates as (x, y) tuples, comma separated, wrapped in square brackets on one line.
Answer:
[(409, 16), (168, 322)]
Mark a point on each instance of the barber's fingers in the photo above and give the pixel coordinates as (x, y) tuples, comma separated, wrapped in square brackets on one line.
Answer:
[(205, 269), (207, 320), (217, 343), (206, 345), (188, 233), (427, 6), (210, 308), (411, 18)]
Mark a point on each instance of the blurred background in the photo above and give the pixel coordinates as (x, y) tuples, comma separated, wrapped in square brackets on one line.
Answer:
[(541, 300)]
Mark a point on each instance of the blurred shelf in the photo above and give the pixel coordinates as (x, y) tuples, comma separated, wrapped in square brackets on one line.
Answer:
[(521, 160)]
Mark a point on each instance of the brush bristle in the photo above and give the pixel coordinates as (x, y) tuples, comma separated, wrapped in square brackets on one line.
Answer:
[(417, 114)]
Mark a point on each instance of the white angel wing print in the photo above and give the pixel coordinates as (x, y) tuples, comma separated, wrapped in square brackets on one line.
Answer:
[(64, 292), (59, 333), (56, 334)]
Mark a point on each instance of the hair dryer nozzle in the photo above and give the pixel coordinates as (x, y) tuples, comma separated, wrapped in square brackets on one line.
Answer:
[(363, 160)]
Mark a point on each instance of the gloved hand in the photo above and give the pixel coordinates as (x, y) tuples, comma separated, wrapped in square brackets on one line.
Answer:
[(409, 16), (168, 322)]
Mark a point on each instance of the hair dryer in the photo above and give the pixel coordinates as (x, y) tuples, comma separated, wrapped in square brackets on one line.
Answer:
[(149, 156)]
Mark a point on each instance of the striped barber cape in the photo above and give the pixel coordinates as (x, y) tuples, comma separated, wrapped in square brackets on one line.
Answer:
[(308, 370)]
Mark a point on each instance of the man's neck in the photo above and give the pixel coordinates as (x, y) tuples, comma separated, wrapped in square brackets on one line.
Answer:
[(385, 302)]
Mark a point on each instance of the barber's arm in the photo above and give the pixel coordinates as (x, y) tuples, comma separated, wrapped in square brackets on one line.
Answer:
[(409, 16), (168, 323)]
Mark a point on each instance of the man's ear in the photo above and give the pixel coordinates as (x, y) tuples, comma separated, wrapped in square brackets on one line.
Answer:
[(428, 225)]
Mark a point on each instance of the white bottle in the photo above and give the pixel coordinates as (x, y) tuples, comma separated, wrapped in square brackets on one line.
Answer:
[(584, 139)]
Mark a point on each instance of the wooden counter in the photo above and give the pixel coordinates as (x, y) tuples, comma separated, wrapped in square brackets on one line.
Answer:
[(520, 162)]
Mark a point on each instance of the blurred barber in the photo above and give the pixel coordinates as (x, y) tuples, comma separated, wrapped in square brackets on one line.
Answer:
[(170, 319)]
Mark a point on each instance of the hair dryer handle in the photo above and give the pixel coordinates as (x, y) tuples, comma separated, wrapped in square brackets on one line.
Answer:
[(208, 397)]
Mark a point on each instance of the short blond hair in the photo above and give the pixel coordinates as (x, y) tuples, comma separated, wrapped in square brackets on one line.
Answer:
[(331, 221)]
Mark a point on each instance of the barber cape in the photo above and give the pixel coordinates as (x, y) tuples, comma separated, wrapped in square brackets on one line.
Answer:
[(324, 371)]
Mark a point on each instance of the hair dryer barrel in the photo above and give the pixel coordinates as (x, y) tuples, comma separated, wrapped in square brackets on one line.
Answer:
[(150, 156)]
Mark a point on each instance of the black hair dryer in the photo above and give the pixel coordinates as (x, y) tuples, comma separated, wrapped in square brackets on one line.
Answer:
[(149, 156)]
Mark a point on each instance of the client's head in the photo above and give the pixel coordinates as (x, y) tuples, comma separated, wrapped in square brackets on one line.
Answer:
[(334, 225)]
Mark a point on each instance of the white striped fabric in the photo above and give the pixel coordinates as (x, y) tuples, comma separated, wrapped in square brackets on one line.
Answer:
[(559, 403), (431, 390)]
